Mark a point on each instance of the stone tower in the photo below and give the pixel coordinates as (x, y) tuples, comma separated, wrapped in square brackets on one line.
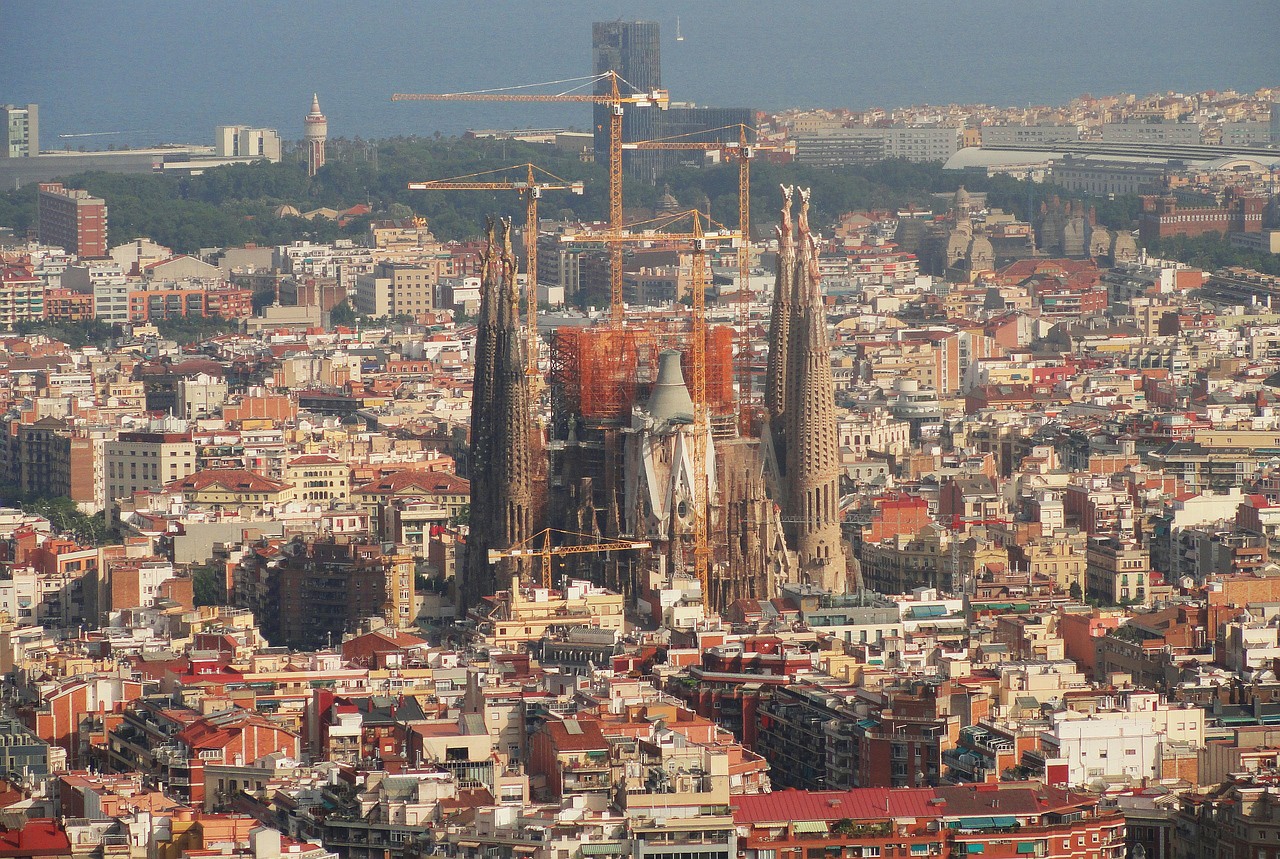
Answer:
[(802, 410), (501, 432), (780, 324), (316, 130)]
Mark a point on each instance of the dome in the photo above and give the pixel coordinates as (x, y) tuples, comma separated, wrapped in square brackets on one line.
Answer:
[(1123, 247), (961, 198), (287, 211), (351, 420), (981, 251), (667, 202)]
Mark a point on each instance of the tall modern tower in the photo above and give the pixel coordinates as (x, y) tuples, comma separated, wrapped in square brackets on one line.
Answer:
[(631, 49), (316, 131)]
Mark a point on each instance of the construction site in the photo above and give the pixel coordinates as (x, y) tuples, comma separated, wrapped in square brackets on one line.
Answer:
[(648, 456)]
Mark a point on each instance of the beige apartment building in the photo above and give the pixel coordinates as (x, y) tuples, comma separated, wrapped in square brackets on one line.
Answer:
[(144, 460), (397, 289)]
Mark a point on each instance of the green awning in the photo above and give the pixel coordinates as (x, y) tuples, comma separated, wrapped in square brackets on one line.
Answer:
[(974, 848), (973, 823), (1004, 821), (603, 850), (809, 826), (1027, 847)]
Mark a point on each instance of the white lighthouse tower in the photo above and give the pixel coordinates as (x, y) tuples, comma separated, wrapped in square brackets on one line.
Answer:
[(316, 130)]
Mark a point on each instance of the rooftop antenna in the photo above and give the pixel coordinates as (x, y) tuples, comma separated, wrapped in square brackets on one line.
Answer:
[(679, 37)]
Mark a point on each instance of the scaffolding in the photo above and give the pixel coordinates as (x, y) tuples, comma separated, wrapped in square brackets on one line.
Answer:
[(599, 374)]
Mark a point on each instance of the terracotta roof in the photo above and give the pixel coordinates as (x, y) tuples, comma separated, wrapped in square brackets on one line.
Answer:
[(231, 479), (316, 459), (576, 735), (411, 480)]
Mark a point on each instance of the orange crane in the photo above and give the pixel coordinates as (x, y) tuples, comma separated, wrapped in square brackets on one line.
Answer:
[(699, 240), (742, 151), (530, 188), (527, 549), (615, 100)]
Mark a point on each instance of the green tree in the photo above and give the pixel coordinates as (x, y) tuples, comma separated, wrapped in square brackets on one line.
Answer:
[(209, 587), (342, 314)]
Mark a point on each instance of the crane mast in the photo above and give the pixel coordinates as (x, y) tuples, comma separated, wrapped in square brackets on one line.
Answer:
[(528, 549), (743, 151), (615, 101), (530, 188), (698, 240)]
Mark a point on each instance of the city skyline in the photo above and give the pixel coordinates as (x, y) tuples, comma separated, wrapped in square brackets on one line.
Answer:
[(856, 57)]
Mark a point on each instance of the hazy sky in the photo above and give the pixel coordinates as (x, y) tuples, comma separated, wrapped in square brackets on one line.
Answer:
[(165, 69)]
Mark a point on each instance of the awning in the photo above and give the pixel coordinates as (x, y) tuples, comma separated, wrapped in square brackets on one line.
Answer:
[(1027, 847), (525, 848), (603, 849), (974, 848), (929, 611), (972, 823), (1004, 821), (809, 826), (468, 843)]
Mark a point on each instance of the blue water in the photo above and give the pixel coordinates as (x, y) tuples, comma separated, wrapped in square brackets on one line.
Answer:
[(162, 70)]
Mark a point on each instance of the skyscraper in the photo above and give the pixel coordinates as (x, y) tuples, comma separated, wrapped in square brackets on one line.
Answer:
[(631, 49), (316, 129)]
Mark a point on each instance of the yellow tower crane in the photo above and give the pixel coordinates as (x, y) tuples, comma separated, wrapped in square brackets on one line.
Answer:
[(616, 101), (528, 549), (530, 187), (742, 150), (698, 240)]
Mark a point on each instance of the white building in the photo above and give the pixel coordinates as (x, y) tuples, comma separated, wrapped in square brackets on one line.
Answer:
[(241, 141), (106, 281), (1122, 743)]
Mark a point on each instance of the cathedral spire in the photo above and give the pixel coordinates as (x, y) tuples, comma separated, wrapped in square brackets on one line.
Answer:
[(780, 318), (810, 490), (501, 471)]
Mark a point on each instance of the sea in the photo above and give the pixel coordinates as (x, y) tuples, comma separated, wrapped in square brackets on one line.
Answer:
[(144, 72)]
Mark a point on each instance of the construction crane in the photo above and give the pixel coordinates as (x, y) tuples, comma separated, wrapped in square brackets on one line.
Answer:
[(742, 151), (530, 187), (616, 101), (528, 549), (699, 240)]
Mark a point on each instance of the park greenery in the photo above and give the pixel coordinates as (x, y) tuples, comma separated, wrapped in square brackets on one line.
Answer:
[(63, 514), (239, 204)]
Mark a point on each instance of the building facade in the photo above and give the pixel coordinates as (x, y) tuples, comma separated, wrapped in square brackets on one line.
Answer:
[(631, 48), (72, 219), (21, 127)]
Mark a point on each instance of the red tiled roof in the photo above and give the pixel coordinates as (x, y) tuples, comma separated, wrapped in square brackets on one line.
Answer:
[(231, 479), (316, 459), (867, 803), (38, 837), (590, 737), (429, 482)]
